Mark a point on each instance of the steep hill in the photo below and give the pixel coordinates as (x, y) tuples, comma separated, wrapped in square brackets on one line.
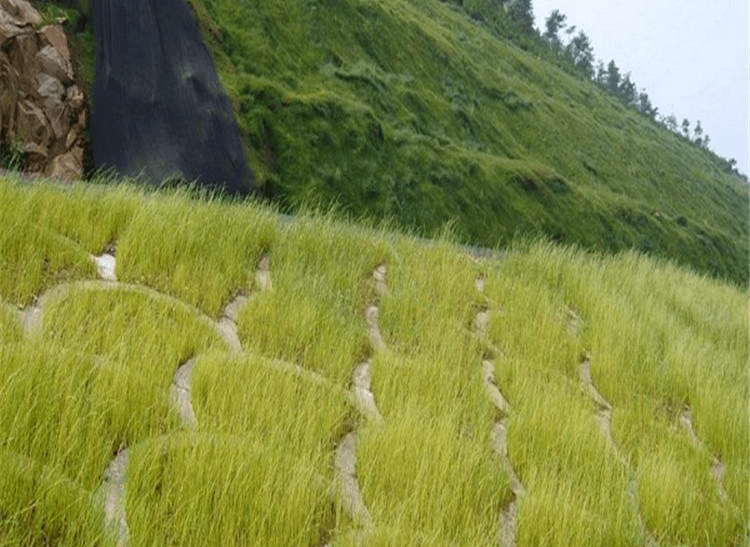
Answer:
[(409, 109)]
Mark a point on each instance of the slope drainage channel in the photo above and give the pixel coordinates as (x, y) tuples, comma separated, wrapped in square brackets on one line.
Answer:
[(604, 419), (508, 515), (346, 486)]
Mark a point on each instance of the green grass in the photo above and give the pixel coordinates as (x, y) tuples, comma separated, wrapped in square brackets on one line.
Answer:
[(209, 271), (96, 377), (260, 464), (651, 354), (49, 234), (439, 478), (314, 316), (414, 112), (10, 325), (42, 506)]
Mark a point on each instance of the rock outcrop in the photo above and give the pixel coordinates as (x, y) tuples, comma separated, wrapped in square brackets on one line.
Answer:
[(159, 107), (42, 108)]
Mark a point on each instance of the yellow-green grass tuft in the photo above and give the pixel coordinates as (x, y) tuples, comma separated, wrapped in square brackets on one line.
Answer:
[(10, 324), (96, 376), (203, 251), (98, 379), (229, 490), (314, 315), (255, 397), (652, 355), (41, 506), (423, 473)]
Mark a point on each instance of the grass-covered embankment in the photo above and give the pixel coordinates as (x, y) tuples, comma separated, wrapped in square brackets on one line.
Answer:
[(412, 111), (87, 368)]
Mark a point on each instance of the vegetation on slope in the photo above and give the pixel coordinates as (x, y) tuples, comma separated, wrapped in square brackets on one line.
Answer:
[(411, 110), (664, 457)]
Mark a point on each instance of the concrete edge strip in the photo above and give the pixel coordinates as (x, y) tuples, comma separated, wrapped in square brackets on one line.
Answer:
[(508, 518), (181, 393), (346, 485), (227, 325), (717, 468), (114, 479), (33, 315), (113, 493), (363, 396), (604, 419)]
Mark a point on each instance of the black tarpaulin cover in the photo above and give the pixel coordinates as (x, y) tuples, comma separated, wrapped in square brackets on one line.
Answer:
[(159, 109)]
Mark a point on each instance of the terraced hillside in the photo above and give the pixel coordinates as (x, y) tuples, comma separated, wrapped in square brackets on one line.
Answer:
[(182, 370), (413, 111)]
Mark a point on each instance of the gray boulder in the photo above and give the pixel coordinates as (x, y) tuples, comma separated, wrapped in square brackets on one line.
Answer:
[(159, 109)]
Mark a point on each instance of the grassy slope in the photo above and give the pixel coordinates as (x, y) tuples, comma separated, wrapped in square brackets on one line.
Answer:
[(407, 109), (258, 467)]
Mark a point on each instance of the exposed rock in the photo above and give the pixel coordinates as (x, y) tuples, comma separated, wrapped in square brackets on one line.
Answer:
[(159, 107), (42, 109), (17, 17)]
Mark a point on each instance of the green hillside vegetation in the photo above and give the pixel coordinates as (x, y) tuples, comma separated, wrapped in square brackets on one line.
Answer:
[(623, 378), (410, 110)]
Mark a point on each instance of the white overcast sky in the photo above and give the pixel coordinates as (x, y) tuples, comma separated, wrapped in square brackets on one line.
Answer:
[(690, 56)]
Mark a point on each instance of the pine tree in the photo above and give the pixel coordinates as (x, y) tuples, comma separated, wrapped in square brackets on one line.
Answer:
[(627, 91), (686, 128), (521, 12), (698, 134), (645, 106), (612, 81), (581, 52), (671, 123), (601, 73), (553, 24)]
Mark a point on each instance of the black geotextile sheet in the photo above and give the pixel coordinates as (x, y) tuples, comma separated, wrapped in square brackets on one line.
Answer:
[(159, 109)]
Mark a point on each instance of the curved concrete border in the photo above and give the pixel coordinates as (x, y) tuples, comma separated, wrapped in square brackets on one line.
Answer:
[(717, 468), (373, 327), (227, 323), (34, 315), (345, 481), (508, 518), (227, 326), (603, 408), (363, 397), (113, 491), (604, 419), (181, 393), (346, 487)]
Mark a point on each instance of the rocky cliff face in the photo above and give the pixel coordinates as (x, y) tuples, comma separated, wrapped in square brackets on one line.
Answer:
[(42, 109)]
